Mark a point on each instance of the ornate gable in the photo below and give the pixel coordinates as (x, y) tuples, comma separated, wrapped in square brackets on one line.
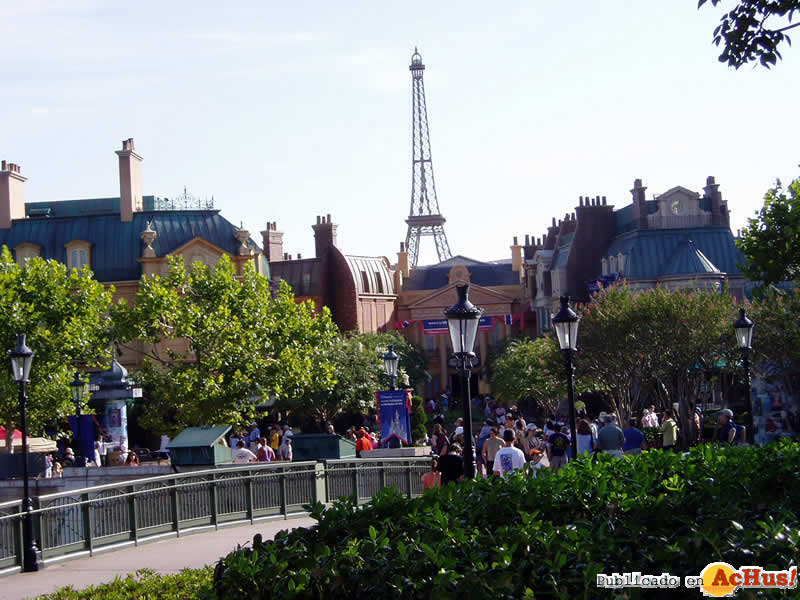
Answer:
[(433, 305)]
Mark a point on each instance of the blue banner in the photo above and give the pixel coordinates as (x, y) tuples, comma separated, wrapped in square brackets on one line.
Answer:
[(84, 446), (435, 326), (394, 413)]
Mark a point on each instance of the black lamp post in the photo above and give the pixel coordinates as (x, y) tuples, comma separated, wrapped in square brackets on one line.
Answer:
[(390, 362), (78, 388), (566, 325), (743, 327), (463, 319), (21, 359)]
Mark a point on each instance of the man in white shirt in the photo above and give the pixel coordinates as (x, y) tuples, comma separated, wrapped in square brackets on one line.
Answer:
[(508, 459), (242, 455)]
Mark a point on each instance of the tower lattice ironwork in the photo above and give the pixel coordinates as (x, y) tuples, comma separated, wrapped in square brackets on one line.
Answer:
[(424, 218)]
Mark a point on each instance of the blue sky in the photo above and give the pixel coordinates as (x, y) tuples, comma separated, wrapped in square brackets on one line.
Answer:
[(287, 110)]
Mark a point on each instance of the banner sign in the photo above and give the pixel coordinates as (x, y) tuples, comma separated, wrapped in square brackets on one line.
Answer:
[(486, 324), (116, 421), (84, 446), (435, 326), (394, 411)]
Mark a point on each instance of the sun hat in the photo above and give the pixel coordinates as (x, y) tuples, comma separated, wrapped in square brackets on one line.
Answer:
[(727, 411), (535, 451), (459, 430), (532, 426)]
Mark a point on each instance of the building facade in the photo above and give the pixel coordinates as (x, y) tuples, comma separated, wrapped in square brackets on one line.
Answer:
[(680, 239), (358, 290), (120, 238)]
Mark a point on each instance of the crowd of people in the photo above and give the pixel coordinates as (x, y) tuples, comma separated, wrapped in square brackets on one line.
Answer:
[(508, 443), (251, 446)]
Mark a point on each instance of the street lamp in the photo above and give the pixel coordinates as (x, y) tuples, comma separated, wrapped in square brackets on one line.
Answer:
[(390, 361), (78, 388), (743, 327), (566, 326), (21, 359), (463, 319)]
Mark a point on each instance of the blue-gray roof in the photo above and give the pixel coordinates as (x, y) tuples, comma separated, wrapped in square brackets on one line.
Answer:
[(623, 218), (687, 259), (650, 253), (436, 276), (116, 245)]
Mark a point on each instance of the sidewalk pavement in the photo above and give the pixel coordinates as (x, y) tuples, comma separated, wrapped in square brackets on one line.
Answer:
[(166, 556)]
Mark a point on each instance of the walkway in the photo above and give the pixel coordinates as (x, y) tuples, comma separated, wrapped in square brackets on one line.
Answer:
[(167, 556)]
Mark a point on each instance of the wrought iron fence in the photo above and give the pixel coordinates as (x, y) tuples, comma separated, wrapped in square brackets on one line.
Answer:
[(80, 522)]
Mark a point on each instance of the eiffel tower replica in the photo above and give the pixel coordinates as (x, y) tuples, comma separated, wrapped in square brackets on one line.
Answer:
[(424, 218)]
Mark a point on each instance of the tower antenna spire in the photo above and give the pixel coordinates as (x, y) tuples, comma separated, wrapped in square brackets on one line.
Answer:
[(424, 217)]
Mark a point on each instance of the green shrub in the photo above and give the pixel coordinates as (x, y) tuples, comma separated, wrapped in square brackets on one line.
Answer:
[(189, 584), (419, 419), (543, 537)]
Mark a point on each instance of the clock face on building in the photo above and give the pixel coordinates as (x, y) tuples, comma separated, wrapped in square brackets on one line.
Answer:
[(677, 207)]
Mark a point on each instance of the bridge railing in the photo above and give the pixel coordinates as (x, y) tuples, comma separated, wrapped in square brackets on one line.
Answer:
[(81, 522)]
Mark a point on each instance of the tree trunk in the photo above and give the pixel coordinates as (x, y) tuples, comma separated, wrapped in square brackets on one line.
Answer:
[(10, 429)]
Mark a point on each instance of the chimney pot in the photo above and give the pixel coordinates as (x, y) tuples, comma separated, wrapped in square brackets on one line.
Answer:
[(329, 217), (580, 201), (402, 246), (516, 243), (299, 256), (604, 200), (3, 168), (527, 240), (710, 180), (319, 220), (637, 183), (554, 221)]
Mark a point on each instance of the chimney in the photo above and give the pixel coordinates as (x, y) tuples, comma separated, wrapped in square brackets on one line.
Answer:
[(12, 194), (516, 256), (242, 236), (130, 180), (272, 242), (402, 260), (639, 204), (324, 235), (712, 191)]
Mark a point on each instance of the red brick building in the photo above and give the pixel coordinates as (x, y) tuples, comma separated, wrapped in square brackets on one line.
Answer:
[(358, 290)]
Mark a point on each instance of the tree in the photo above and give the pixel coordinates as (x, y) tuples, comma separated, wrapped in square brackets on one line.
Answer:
[(358, 373), (533, 369), (748, 32), (419, 418), (216, 342), (654, 341), (771, 241), (64, 315), (776, 338)]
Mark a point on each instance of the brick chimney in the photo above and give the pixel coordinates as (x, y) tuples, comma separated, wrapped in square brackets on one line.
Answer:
[(324, 235), (130, 180), (12, 194), (402, 260), (639, 204), (516, 256), (719, 208), (272, 242)]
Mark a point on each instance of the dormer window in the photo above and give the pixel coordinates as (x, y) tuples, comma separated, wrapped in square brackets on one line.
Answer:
[(25, 251), (621, 263), (612, 264), (605, 267), (79, 254)]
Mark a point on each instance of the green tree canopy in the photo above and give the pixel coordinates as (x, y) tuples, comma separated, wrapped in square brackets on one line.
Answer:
[(358, 373), (771, 240), (654, 341), (776, 337), (215, 343), (64, 315), (533, 369), (754, 30)]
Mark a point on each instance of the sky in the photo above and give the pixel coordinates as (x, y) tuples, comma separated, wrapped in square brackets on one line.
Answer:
[(288, 110)]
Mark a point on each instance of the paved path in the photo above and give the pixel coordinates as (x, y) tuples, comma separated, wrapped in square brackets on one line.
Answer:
[(166, 556)]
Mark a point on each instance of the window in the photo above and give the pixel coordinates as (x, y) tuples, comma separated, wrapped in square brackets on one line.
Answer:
[(365, 282), (621, 263), (78, 254), (306, 282), (25, 251), (379, 282), (605, 267)]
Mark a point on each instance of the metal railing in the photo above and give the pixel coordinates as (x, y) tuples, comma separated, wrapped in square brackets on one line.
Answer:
[(81, 522)]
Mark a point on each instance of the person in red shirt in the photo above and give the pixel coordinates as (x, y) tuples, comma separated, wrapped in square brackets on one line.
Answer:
[(363, 442)]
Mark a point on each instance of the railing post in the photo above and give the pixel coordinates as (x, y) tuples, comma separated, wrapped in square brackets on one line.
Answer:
[(175, 507), (249, 484), (18, 535), (408, 479), (382, 473), (86, 517), (133, 518), (320, 483), (212, 499), (355, 482), (284, 509)]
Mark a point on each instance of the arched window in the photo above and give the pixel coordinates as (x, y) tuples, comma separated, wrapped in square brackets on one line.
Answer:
[(79, 254)]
